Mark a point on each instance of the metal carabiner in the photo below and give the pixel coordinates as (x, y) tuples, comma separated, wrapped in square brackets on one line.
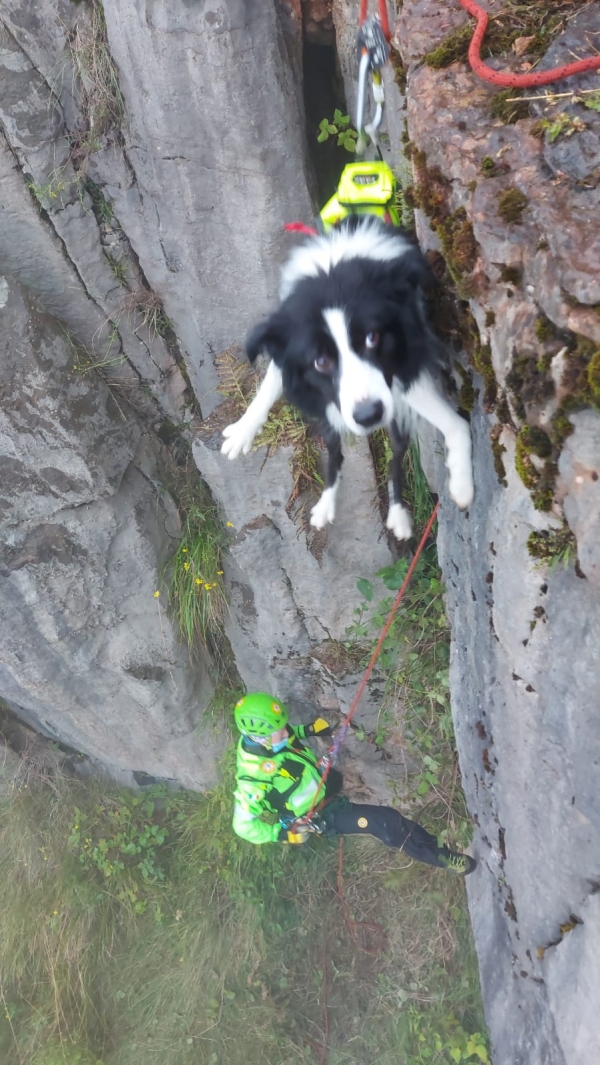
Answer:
[(374, 50)]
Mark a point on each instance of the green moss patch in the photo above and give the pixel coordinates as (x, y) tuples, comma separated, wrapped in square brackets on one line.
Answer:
[(511, 204), (511, 275), (507, 106), (466, 393), (432, 191), (553, 545), (453, 48), (498, 450), (534, 441), (460, 250)]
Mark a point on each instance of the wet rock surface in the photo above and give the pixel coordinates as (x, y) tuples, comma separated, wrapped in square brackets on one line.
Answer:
[(525, 662)]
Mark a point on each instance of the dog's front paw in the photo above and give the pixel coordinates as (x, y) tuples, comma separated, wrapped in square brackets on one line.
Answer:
[(461, 489), (323, 512), (239, 437), (399, 522)]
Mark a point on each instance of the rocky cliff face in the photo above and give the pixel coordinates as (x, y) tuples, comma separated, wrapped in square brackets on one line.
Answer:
[(510, 208), (150, 156)]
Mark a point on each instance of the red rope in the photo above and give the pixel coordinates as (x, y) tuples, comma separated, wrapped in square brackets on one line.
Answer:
[(299, 227), (383, 16), (516, 81), (374, 657)]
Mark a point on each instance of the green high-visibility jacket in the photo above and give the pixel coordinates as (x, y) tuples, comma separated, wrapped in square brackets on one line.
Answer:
[(285, 782)]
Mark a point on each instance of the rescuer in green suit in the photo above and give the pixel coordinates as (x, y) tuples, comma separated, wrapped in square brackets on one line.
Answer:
[(278, 775)]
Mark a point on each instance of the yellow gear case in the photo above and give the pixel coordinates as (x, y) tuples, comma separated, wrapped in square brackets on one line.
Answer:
[(364, 188)]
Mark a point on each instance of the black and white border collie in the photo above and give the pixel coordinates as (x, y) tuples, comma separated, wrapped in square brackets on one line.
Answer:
[(350, 346)]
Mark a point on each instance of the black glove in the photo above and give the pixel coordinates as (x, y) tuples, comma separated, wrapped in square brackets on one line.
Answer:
[(320, 727)]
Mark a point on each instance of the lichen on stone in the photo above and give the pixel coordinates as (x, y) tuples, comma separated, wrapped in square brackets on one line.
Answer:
[(511, 204)]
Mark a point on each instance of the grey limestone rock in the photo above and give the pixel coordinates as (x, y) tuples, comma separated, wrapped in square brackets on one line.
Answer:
[(525, 668), (87, 654)]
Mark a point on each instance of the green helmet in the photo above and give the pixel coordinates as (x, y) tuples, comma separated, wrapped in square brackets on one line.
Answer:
[(259, 714)]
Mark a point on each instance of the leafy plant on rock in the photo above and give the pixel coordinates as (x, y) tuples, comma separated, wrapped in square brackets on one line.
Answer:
[(340, 127)]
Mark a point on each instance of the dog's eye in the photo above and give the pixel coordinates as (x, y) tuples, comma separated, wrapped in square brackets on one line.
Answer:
[(372, 340), (324, 364)]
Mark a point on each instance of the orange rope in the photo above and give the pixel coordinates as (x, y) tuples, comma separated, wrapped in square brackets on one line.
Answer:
[(516, 81), (383, 17), (368, 671)]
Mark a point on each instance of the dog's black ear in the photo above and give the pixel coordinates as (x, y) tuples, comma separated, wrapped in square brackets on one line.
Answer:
[(270, 336), (411, 270)]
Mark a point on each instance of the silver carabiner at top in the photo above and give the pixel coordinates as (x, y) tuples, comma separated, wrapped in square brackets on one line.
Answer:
[(373, 50)]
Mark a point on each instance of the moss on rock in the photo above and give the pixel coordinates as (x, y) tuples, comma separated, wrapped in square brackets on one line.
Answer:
[(453, 48), (498, 450), (511, 275), (552, 545), (532, 440), (511, 204), (545, 329)]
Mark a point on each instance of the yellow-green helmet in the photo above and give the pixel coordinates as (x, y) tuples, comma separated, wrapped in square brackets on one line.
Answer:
[(259, 714)]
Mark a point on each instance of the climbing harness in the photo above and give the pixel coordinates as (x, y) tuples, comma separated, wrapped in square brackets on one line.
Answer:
[(364, 188), (516, 81), (373, 52)]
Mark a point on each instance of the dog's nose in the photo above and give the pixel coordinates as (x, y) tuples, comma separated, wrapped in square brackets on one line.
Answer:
[(369, 412)]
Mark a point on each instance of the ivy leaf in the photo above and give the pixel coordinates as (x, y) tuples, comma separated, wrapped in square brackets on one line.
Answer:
[(365, 588)]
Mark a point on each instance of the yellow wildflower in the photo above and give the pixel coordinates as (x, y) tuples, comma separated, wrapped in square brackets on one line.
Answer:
[(197, 580), (184, 549), (219, 573), (186, 565), (56, 913), (230, 525), (156, 595), (208, 587)]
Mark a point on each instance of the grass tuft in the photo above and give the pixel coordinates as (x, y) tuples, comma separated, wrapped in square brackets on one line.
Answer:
[(102, 104), (195, 572)]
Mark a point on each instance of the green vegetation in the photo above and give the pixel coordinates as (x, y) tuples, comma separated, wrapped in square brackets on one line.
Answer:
[(466, 394), (102, 100), (553, 546), (340, 127), (498, 450), (148, 304), (511, 275), (507, 106), (51, 190), (139, 928), (511, 204), (285, 426), (195, 572), (118, 268), (539, 478), (489, 167), (459, 248), (517, 19), (560, 125)]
